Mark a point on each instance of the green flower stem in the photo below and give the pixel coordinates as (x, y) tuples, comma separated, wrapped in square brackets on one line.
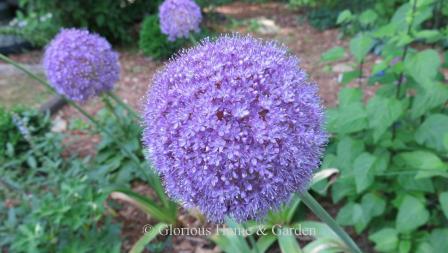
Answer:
[(123, 104), (320, 212)]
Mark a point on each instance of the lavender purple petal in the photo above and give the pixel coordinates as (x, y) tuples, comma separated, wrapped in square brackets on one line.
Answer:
[(80, 65), (234, 127), (179, 17)]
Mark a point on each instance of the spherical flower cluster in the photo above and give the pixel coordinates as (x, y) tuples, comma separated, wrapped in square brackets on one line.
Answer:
[(179, 17), (234, 126), (79, 64)]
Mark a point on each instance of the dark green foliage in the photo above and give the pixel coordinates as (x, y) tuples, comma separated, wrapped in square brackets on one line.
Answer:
[(155, 44), (113, 19)]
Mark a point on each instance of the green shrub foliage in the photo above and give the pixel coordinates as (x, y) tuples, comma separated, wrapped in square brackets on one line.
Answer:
[(392, 150), (110, 18)]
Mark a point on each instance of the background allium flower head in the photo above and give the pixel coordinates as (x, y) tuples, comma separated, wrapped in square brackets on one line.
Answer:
[(234, 127), (79, 64), (179, 17)]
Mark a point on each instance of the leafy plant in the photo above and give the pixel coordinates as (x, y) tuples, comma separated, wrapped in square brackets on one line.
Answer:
[(155, 44), (392, 150)]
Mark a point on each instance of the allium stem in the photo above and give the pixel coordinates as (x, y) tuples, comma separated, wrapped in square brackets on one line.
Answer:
[(320, 212), (123, 104)]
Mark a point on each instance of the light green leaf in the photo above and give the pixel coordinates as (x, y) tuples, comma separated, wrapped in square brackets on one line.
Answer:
[(382, 113), (344, 16), (431, 131), (363, 172), (348, 96), (139, 246), (368, 17), (386, 240), (439, 240), (434, 94), (347, 150), (265, 242), (427, 163), (361, 45), (350, 214), (287, 241), (373, 204), (145, 204), (333, 54), (443, 199), (404, 246), (411, 214), (423, 66), (430, 36)]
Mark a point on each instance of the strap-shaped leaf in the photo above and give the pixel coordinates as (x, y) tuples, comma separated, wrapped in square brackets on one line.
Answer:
[(139, 246), (146, 205)]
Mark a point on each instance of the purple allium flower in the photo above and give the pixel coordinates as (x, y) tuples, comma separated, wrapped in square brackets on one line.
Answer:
[(179, 17), (234, 127), (79, 64)]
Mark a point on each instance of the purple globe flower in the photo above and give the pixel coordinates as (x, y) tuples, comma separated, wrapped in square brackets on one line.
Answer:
[(179, 17), (80, 65), (234, 127)]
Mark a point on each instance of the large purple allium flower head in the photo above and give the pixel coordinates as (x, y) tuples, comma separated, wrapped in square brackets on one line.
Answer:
[(179, 17), (80, 65), (234, 127)]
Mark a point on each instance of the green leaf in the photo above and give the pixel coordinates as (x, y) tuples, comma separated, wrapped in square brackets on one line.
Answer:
[(265, 242), (325, 245), (350, 116), (411, 214), (344, 16), (443, 199), (361, 45), (423, 66), (146, 205), (430, 36), (350, 214), (333, 54), (382, 113), (139, 246), (386, 240), (347, 150), (368, 17), (287, 241), (363, 172), (433, 95), (427, 163), (348, 96), (373, 205), (431, 131), (439, 240), (404, 246), (349, 76)]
